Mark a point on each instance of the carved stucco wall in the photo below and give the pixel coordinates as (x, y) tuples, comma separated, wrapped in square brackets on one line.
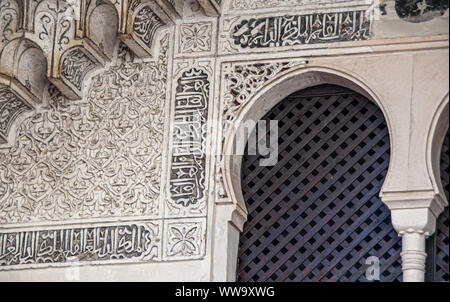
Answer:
[(75, 159), (127, 173), (96, 159)]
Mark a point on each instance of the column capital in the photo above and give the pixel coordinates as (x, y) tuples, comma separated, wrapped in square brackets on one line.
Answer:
[(414, 211)]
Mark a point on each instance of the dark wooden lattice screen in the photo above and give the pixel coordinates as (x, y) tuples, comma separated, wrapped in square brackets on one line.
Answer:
[(438, 266), (316, 215)]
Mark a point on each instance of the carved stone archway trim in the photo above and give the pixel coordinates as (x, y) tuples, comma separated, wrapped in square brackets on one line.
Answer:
[(230, 216), (419, 211), (273, 91)]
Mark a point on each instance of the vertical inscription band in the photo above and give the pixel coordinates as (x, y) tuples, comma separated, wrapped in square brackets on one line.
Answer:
[(187, 179)]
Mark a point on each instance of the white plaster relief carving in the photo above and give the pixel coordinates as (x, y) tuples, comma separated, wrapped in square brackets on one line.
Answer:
[(195, 38), (294, 30), (186, 239), (239, 5), (97, 157)]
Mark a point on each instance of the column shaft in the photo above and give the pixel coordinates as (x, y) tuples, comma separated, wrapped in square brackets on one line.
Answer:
[(413, 257)]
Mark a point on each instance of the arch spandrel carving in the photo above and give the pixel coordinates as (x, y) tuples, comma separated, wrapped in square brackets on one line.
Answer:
[(273, 81)]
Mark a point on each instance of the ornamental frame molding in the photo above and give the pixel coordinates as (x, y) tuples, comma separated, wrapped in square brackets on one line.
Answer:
[(81, 245), (186, 237), (231, 116)]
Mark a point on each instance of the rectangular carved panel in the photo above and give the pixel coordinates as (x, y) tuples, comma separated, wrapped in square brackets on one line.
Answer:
[(301, 29), (188, 167), (137, 241)]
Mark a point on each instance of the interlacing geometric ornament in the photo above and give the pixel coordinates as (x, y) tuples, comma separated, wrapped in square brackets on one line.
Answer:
[(316, 214), (100, 158), (97, 157), (62, 41), (243, 80)]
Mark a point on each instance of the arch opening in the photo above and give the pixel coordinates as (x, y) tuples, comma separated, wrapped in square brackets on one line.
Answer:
[(295, 79), (315, 215)]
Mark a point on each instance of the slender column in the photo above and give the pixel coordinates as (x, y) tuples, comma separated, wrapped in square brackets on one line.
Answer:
[(414, 218), (413, 257)]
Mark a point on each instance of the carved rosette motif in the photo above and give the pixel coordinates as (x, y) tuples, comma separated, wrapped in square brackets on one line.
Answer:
[(195, 37), (186, 239)]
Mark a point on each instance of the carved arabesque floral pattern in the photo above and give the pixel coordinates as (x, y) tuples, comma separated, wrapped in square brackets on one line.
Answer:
[(97, 157), (242, 81), (9, 15)]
